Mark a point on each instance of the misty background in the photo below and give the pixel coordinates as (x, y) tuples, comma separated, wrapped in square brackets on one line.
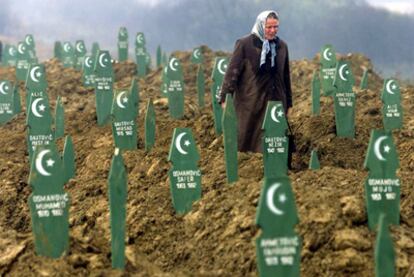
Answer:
[(351, 26)]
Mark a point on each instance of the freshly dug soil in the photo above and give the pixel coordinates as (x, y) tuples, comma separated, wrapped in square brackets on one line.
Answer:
[(217, 238)]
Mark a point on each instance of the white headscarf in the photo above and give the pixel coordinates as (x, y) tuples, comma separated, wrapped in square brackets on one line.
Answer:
[(258, 30)]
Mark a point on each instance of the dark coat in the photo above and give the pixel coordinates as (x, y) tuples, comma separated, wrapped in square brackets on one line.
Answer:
[(252, 87)]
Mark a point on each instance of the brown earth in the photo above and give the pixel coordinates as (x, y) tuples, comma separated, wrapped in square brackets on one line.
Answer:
[(217, 238)]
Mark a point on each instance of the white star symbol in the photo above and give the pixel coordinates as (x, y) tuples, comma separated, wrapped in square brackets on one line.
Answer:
[(279, 113), (125, 100), (330, 53), (282, 198), (50, 162), (394, 86), (6, 87), (42, 108), (387, 149), (347, 72), (38, 74), (187, 143)]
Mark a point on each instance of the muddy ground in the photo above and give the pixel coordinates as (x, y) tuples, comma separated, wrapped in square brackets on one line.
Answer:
[(217, 238)]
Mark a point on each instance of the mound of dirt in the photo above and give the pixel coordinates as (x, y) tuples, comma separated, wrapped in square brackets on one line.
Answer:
[(217, 238)]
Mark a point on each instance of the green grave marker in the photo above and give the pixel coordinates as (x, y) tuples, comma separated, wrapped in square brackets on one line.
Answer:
[(80, 52), (328, 69), (68, 55), (344, 101), (364, 80), (159, 56), (123, 44), (314, 161), (148, 61), (149, 126), (278, 246), (104, 79), (392, 112), (17, 108), (49, 203), (6, 101), (184, 176), (217, 75), (9, 57), (175, 88), (229, 123), (201, 85), (384, 251), (117, 186), (23, 61), (275, 142), (36, 83), (94, 53), (59, 119), (31, 48), (141, 55), (124, 127), (164, 82), (197, 56), (69, 159), (382, 186), (57, 50), (134, 89), (88, 73), (316, 94), (39, 122), (164, 59)]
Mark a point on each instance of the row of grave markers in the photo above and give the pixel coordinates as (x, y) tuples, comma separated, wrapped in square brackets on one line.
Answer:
[(273, 142)]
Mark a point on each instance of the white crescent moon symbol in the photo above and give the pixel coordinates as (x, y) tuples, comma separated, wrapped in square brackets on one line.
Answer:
[(178, 144), (20, 48), (28, 40), (220, 69), (65, 47), (139, 38), (388, 87), (269, 199), (88, 62), (34, 107), (39, 160), (2, 88), (11, 51), (118, 100), (172, 64), (341, 73), (377, 146), (32, 74), (325, 54), (101, 60), (273, 114), (196, 53), (78, 47)]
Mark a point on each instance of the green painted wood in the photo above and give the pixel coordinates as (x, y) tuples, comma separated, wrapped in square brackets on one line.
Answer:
[(117, 186), (23, 61), (392, 116), (275, 142), (201, 86), (184, 176), (49, 203), (68, 158), (31, 48), (141, 55), (229, 123), (164, 59), (7, 100), (123, 44), (36, 83), (217, 75), (164, 82), (384, 251), (159, 56), (134, 89), (278, 255), (88, 73), (364, 80), (391, 92), (104, 79), (17, 106), (316, 94), (197, 56), (328, 69), (344, 101), (80, 53), (9, 57), (175, 88), (57, 50), (124, 126), (59, 119), (149, 126), (68, 55), (314, 161)]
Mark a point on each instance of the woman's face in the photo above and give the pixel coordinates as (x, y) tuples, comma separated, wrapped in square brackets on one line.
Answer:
[(271, 28)]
